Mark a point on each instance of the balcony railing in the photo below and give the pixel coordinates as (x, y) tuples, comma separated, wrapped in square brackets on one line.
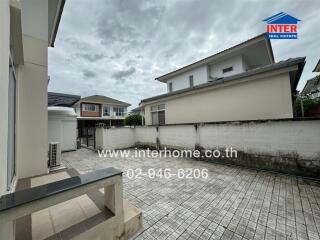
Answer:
[(119, 114)]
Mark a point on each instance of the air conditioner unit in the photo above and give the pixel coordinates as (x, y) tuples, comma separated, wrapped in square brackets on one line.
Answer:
[(54, 154)]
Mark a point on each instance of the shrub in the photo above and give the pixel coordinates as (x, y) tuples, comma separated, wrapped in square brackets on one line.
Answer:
[(307, 104), (133, 120)]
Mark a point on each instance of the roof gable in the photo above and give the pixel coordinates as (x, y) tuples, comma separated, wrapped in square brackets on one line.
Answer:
[(281, 18), (243, 45), (103, 100)]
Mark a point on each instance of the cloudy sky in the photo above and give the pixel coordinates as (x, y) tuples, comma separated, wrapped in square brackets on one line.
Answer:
[(118, 47)]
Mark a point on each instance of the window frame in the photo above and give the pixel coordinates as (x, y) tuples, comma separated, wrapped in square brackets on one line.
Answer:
[(191, 81), (103, 111), (228, 69), (156, 110), (119, 113), (85, 107), (170, 87)]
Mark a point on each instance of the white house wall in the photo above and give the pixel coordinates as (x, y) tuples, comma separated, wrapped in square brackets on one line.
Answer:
[(289, 146), (4, 86), (32, 115), (200, 74), (115, 138), (34, 16), (216, 70), (265, 98), (182, 81), (271, 137)]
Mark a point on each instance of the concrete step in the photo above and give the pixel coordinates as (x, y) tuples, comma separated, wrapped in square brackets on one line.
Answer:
[(132, 219)]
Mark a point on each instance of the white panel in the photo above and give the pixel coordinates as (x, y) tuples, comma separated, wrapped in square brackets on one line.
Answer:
[(4, 85), (272, 138), (69, 135), (182, 81), (34, 17), (236, 63)]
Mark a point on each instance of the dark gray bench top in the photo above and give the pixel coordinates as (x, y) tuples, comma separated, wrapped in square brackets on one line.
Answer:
[(32, 194)]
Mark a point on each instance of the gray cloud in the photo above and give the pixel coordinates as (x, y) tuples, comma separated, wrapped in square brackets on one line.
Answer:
[(132, 41), (92, 57), (121, 75), (89, 74)]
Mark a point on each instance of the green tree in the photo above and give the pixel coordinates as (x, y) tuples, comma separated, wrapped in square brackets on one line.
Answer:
[(133, 120), (304, 103)]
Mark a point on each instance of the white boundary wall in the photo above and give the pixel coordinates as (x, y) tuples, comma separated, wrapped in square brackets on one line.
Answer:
[(273, 138)]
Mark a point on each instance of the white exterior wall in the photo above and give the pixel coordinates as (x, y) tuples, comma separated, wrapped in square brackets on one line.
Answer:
[(32, 97), (145, 134), (63, 129), (115, 138), (200, 74), (182, 81), (236, 62), (302, 137), (268, 97), (77, 110), (271, 138), (178, 136), (4, 86)]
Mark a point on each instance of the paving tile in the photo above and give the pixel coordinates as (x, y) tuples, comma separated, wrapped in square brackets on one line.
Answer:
[(233, 203)]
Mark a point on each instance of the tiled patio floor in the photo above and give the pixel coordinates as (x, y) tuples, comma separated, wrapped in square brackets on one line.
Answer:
[(233, 203)]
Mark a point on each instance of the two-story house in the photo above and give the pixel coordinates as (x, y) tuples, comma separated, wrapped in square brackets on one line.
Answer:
[(97, 109), (240, 83), (312, 86)]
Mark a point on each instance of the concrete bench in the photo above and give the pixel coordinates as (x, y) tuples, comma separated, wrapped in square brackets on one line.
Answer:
[(28, 201)]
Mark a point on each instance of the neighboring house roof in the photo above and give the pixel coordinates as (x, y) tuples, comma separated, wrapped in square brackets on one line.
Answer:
[(317, 68), (62, 99), (103, 100), (281, 18), (311, 85), (204, 61), (137, 109), (300, 61)]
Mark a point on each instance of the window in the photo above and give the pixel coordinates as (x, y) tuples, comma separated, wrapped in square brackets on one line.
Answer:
[(158, 114), (119, 111), (229, 69), (170, 86), (106, 111), (90, 107), (191, 80)]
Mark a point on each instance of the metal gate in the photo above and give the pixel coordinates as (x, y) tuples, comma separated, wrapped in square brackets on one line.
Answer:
[(87, 136)]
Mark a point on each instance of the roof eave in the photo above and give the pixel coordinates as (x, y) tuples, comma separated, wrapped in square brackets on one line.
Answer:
[(317, 67), (298, 75), (204, 61), (299, 61), (57, 19), (100, 102)]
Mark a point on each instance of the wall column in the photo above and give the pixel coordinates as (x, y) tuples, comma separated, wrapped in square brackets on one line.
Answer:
[(4, 87)]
